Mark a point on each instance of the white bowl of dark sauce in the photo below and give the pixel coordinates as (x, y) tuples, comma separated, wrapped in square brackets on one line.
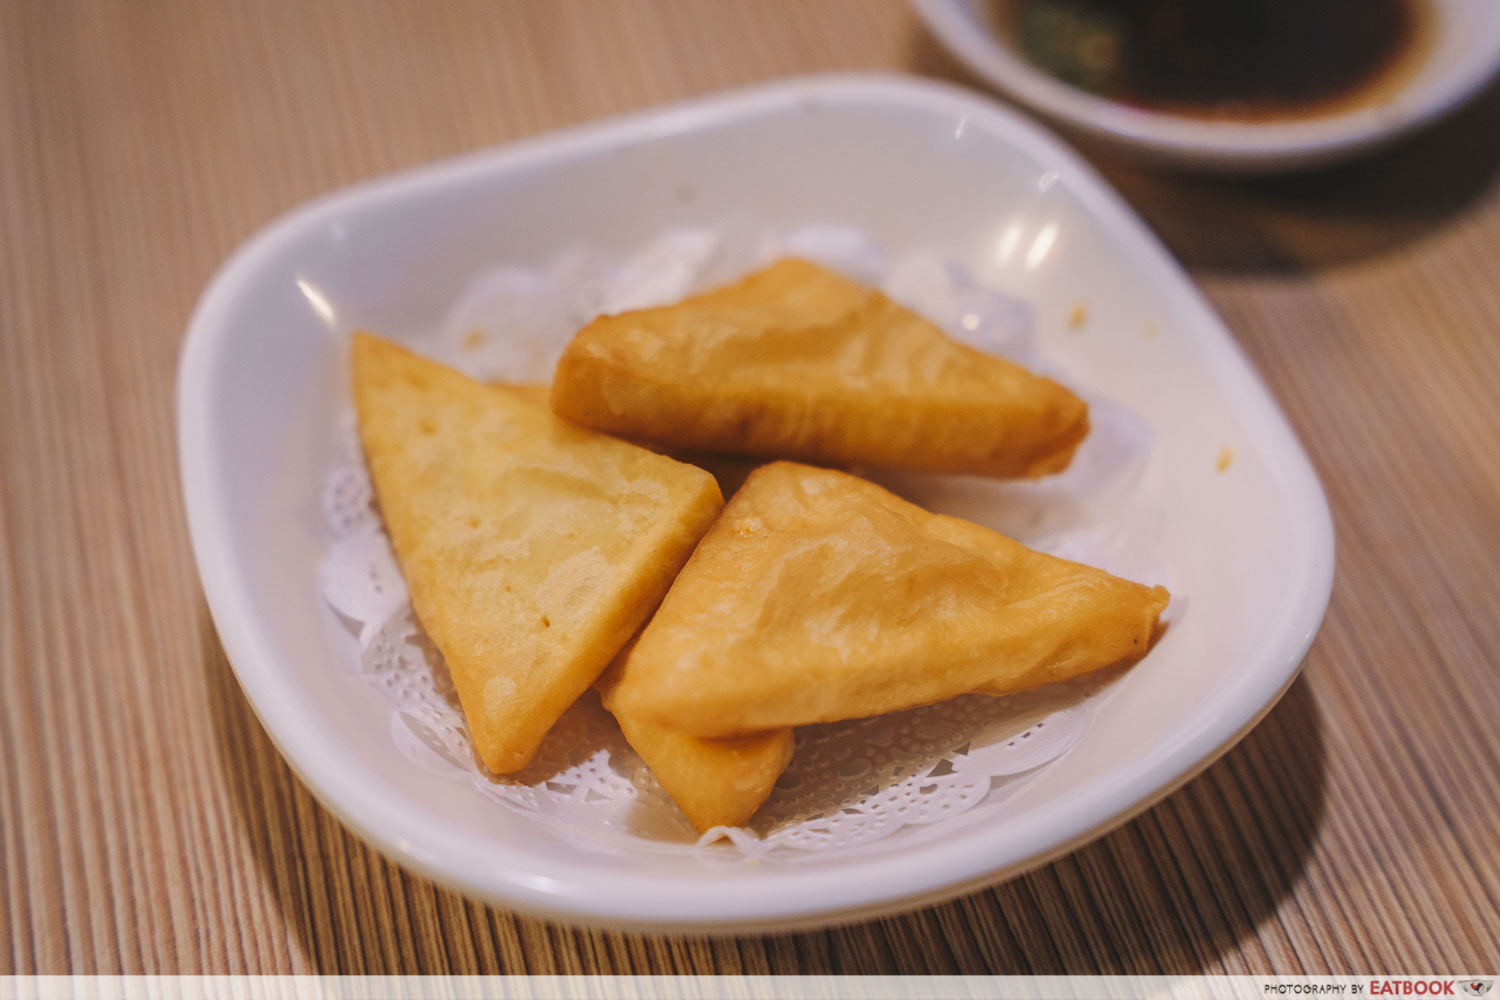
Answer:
[(1229, 85)]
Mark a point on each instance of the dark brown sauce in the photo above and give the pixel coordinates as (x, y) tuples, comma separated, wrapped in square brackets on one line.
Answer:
[(1244, 59)]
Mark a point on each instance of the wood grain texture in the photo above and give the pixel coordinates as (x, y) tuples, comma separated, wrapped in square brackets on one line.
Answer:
[(148, 825)]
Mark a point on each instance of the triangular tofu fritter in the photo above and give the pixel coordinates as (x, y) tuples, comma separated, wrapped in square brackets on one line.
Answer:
[(818, 596), (533, 549), (795, 361)]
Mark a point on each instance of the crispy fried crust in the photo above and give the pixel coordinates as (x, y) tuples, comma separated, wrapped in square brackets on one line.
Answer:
[(818, 596), (795, 361), (533, 549)]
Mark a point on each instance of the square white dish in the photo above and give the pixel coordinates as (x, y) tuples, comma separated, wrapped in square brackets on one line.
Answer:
[(261, 378)]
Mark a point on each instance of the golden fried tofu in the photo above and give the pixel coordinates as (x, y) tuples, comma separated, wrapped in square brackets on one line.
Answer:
[(533, 549), (797, 362), (818, 596)]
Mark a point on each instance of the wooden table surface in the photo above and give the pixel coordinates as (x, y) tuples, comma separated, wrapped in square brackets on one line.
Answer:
[(148, 825)]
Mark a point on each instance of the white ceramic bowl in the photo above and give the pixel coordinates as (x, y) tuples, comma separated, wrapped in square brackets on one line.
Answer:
[(1463, 56), (261, 378)]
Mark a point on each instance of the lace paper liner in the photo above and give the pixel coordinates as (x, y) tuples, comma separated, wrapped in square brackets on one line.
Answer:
[(849, 784)]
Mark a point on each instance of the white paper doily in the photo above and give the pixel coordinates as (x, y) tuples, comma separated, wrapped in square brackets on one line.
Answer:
[(849, 784)]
